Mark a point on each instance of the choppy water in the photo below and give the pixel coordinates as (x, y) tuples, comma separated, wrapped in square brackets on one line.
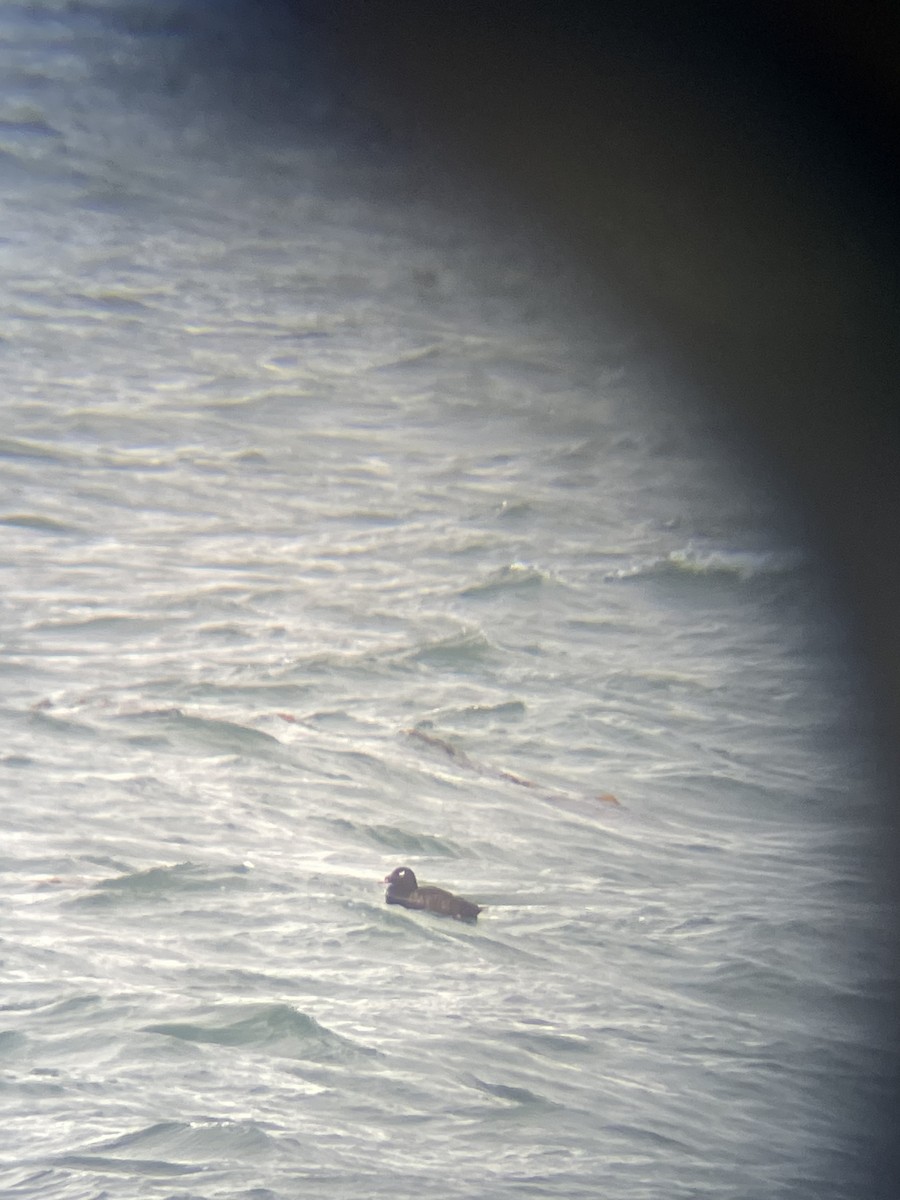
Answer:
[(330, 542)]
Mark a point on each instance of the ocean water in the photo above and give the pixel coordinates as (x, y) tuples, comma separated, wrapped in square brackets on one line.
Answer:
[(333, 538)]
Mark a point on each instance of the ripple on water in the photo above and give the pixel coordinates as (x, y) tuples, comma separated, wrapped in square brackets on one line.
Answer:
[(390, 837)]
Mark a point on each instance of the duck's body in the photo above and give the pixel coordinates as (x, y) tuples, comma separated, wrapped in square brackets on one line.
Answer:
[(403, 889)]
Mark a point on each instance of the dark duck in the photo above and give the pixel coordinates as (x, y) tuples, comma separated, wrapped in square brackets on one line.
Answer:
[(403, 889)]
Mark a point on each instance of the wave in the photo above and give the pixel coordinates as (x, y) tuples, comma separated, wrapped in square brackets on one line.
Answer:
[(515, 1097), (506, 710), (37, 522), (118, 624), (390, 837), (691, 562), (209, 735), (38, 451), (171, 1148), (127, 1166), (553, 795), (460, 651), (513, 577), (163, 882), (278, 1027)]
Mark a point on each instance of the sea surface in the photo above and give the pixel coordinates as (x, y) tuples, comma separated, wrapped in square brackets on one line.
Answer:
[(334, 537)]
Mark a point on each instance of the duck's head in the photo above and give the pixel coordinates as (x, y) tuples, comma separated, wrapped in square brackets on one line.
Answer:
[(401, 881)]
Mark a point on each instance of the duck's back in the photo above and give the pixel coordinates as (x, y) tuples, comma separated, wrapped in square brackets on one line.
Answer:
[(436, 900)]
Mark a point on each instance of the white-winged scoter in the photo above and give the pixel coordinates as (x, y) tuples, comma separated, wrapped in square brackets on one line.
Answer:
[(403, 889)]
